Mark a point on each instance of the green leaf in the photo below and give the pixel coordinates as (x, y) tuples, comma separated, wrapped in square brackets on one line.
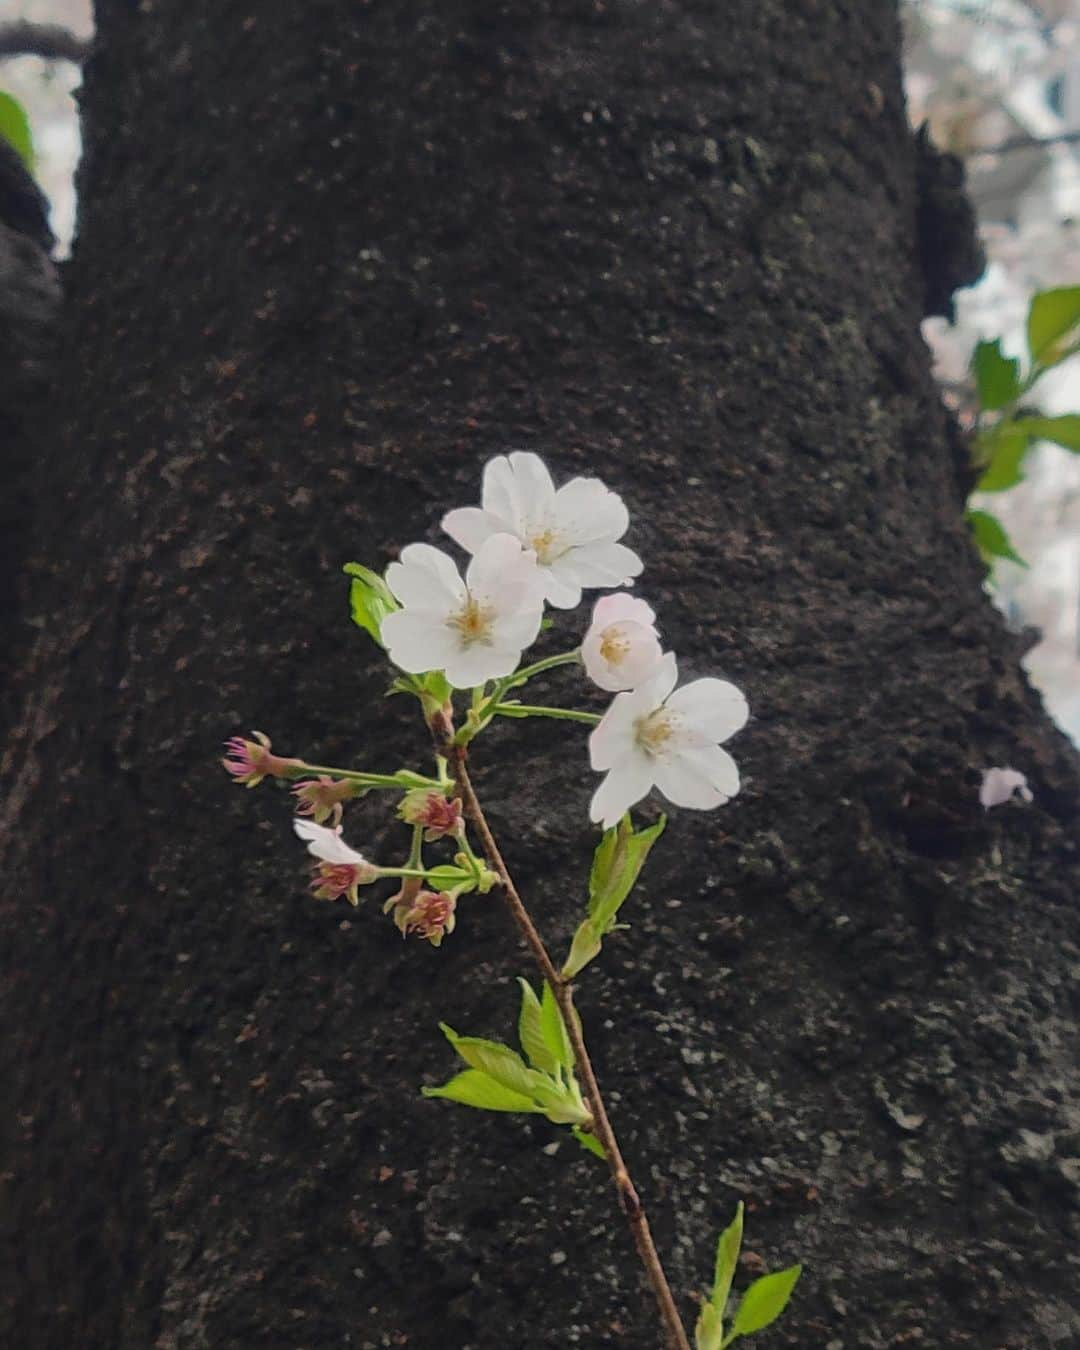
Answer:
[(727, 1256), (589, 1142), (1002, 451), (531, 1031), (991, 538), (764, 1301), (709, 1332), (473, 1088), (553, 1030), (1051, 320), (616, 864), (370, 598), (15, 129), (1063, 430), (449, 878), (497, 1061), (997, 377), (561, 1102), (584, 948)]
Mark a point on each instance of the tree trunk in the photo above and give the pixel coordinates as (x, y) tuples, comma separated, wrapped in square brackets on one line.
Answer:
[(332, 258)]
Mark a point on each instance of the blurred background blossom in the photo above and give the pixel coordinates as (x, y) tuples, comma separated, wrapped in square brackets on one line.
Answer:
[(998, 82)]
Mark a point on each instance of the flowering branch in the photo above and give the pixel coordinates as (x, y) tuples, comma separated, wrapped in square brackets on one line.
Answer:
[(600, 1125), (446, 631)]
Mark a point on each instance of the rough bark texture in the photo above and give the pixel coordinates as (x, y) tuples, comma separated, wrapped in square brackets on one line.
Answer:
[(333, 257)]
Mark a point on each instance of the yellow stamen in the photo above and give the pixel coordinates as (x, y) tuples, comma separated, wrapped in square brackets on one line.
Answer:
[(473, 622), (652, 733), (547, 545), (614, 646)]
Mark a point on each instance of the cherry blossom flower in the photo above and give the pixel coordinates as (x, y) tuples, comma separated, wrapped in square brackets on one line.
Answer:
[(250, 762), (472, 630), (1003, 785), (654, 737), (340, 869), (322, 798), (621, 649), (432, 809), (429, 914), (573, 531)]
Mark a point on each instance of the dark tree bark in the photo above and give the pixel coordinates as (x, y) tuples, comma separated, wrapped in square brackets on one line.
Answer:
[(332, 257)]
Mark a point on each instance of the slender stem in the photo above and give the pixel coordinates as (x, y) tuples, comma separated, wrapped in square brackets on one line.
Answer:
[(534, 710), (601, 1125), (548, 663), (373, 780), (416, 849)]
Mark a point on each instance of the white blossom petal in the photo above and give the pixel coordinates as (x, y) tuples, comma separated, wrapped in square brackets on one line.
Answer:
[(499, 495), (624, 785), (620, 606), (425, 576), (586, 511), (325, 844), (613, 736), (999, 786), (714, 707), (470, 666), (620, 655), (535, 492), (702, 778), (418, 640), (561, 587), (603, 564), (470, 527)]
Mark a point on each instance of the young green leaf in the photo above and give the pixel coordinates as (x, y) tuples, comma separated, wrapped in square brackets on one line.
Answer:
[(997, 377), (1002, 451), (15, 129), (497, 1061), (589, 1142), (531, 1032), (763, 1302), (560, 1102), (616, 863), (473, 1088), (370, 599), (991, 538), (1052, 320), (1064, 430), (553, 1030), (584, 948), (709, 1332), (727, 1256)]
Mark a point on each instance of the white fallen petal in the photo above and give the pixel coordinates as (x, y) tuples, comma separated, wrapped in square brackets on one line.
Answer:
[(1001, 785), (325, 844)]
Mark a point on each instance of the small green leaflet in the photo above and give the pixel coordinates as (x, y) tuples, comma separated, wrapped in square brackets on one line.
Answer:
[(15, 129), (618, 860), (370, 599), (1052, 320), (473, 1088), (709, 1333), (763, 1302), (1063, 430), (498, 1079), (589, 1142), (1002, 450), (991, 538), (997, 377), (761, 1305), (449, 878)]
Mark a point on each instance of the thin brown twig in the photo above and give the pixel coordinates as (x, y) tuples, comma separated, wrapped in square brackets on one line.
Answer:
[(561, 988), (51, 41)]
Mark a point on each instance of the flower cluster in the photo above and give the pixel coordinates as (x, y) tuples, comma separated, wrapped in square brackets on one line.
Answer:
[(531, 544)]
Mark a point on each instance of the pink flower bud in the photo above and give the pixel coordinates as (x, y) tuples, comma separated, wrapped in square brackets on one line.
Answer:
[(428, 914), (322, 798), (250, 762), (430, 808)]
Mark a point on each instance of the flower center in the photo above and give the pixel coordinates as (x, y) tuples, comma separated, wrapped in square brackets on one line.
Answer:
[(473, 622), (547, 545), (652, 733), (614, 646)]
